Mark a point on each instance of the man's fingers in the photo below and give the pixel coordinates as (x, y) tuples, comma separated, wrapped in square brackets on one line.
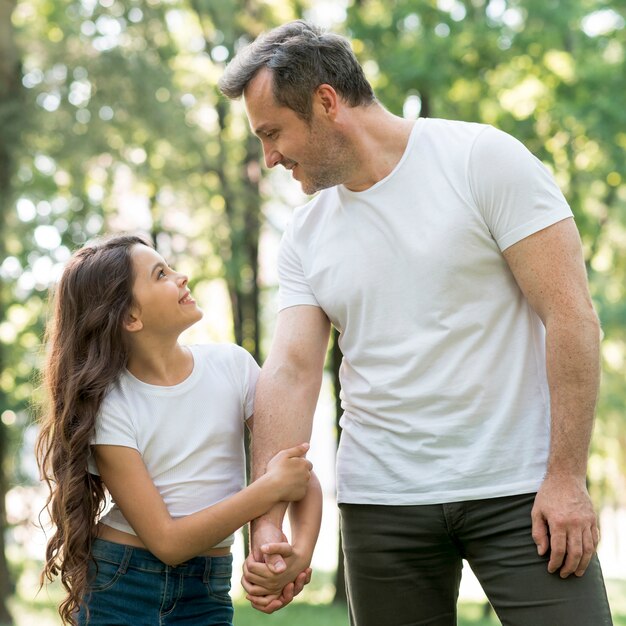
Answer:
[(573, 555), (589, 548), (595, 534), (283, 548), (257, 572), (540, 533), (273, 554), (275, 562), (558, 544)]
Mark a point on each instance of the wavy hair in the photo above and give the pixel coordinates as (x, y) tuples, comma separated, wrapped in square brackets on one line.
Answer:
[(86, 351)]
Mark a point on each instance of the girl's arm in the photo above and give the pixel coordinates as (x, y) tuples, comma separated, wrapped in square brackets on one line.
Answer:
[(176, 540)]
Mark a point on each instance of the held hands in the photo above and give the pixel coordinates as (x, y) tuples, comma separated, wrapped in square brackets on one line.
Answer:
[(274, 572), (268, 591), (289, 473), (563, 520)]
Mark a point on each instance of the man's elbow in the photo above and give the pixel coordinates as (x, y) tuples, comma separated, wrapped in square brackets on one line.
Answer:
[(293, 373), (590, 320)]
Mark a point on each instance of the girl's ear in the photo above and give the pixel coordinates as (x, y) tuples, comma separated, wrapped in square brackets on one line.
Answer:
[(133, 323)]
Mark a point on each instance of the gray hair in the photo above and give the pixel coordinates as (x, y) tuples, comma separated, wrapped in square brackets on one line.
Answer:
[(301, 57)]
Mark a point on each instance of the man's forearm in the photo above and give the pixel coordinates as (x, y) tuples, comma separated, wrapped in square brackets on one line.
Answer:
[(285, 403), (284, 406), (573, 368)]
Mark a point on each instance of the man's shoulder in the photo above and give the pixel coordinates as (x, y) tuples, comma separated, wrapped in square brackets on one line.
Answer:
[(325, 200), (459, 129)]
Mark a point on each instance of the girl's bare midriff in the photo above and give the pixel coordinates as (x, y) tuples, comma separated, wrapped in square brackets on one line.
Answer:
[(119, 536)]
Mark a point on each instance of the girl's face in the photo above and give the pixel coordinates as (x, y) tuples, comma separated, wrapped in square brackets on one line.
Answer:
[(164, 302)]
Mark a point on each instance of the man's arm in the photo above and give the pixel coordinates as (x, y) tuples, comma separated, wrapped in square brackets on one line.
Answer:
[(549, 269), (285, 400)]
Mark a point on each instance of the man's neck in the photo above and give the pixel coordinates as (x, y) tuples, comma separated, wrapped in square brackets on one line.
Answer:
[(379, 139)]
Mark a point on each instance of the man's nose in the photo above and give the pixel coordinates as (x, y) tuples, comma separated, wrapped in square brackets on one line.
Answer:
[(272, 157)]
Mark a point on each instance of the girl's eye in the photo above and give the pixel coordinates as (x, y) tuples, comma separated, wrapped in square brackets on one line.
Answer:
[(161, 273)]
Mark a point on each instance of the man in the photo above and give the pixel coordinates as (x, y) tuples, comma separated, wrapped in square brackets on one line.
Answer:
[(449, 262)]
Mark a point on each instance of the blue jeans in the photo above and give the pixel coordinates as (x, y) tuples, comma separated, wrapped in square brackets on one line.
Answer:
[(131, 587)]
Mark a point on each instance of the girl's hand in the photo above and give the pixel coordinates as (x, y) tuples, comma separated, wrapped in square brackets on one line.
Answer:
[(290, 473)]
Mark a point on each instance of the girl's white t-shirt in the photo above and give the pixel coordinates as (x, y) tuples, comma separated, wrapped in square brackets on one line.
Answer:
[(190, 435), (443, 381)]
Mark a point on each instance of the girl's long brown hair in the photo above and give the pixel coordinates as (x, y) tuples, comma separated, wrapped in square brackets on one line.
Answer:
[(86, 351)]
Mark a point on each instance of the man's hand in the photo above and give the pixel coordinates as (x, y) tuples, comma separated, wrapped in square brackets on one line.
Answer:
[(269, 582), (563, 520), (263, 532)]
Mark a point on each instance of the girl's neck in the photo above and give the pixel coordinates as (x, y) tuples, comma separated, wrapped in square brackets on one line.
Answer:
[(163, 365)]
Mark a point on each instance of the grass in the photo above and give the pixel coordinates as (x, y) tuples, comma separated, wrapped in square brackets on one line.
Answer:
[(313, 608), (334, 615)]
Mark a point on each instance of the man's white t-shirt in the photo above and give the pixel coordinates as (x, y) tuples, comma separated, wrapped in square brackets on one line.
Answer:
[(443, 377), (190, 435)]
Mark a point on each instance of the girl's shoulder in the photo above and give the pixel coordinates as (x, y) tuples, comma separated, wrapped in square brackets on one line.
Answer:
[(221, 353), (228, 361)]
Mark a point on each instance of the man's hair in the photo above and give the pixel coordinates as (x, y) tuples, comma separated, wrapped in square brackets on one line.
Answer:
[(301, 57)]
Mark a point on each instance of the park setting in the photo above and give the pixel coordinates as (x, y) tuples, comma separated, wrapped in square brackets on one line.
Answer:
[(113, 121)]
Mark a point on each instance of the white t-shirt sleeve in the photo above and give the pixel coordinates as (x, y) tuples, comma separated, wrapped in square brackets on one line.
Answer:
[(514, 192), (293, 288), (114, 428), (248, 371)]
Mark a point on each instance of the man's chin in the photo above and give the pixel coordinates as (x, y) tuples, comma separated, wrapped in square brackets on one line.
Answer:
[(309, 188)]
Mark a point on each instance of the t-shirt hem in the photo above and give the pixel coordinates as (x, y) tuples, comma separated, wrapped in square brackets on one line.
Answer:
[(289, 302), (388, 499), (532, 227)]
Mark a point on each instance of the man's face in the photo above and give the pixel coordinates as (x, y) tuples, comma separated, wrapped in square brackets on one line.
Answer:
[(317, 156)]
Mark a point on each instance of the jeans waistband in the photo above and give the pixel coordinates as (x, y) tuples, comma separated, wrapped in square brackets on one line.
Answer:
[(138, 558)]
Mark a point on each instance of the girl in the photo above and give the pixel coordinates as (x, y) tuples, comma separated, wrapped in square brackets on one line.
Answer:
[(159, 426)]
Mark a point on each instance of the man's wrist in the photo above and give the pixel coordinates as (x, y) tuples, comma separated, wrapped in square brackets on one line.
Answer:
[(274, 517)]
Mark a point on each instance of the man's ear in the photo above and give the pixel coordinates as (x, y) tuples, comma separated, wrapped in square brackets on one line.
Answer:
[(328, 98), (132, 322)]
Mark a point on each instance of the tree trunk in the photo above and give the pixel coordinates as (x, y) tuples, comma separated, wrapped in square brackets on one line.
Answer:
[(10, 110)]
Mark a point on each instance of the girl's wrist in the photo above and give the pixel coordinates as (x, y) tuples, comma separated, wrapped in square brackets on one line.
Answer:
[(267, 490)]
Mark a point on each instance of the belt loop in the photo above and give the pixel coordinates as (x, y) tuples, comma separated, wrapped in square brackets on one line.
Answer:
[(207, 569), (128, 553)]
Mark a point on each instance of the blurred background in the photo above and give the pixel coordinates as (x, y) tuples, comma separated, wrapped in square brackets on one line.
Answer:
[(110, 120)]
